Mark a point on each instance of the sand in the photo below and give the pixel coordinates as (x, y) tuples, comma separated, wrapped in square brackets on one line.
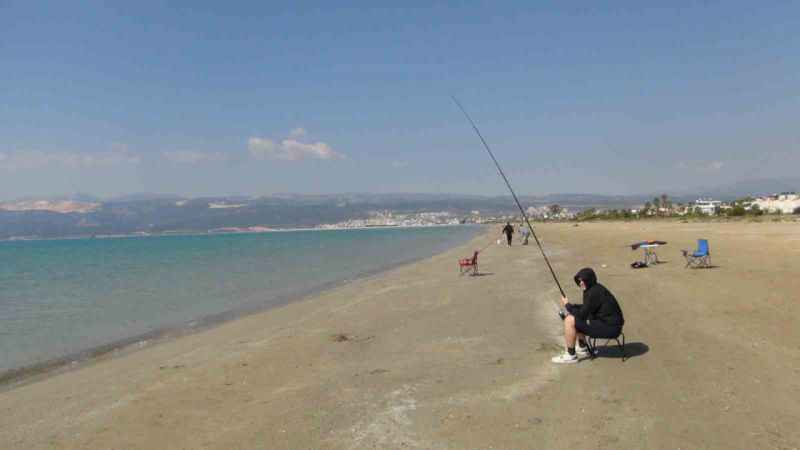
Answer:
[(419, 357)]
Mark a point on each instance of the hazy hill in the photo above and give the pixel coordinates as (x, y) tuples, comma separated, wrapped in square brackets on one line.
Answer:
[(751, 187), (161, 212)]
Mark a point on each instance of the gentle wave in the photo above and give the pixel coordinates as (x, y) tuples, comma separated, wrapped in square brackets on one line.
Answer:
[(60, 298)]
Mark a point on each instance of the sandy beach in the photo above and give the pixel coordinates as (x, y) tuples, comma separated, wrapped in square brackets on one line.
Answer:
[(420, 357)]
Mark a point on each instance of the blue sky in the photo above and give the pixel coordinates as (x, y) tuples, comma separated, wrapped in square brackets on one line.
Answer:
[(216, 98)]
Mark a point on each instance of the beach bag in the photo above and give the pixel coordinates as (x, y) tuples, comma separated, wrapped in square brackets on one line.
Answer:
[(638, 265)]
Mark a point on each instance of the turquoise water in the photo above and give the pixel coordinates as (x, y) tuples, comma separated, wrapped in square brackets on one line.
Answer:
[(63, 297)]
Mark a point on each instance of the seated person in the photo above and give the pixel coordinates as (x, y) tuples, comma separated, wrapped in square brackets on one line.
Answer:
[(598, 317)]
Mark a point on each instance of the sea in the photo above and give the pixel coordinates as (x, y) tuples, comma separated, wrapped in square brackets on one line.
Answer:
[(66, 300)]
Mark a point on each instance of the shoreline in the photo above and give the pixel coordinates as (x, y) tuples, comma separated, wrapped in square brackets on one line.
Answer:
[(419, 357), (145, 234), (31, 373)]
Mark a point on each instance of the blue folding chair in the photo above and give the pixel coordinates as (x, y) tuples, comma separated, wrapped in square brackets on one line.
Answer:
[(700, 257)]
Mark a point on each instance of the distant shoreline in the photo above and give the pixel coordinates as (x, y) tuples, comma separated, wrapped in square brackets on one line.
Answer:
[(142, 234)]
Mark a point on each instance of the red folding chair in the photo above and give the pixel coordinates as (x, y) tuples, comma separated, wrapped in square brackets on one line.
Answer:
[(467, 265)]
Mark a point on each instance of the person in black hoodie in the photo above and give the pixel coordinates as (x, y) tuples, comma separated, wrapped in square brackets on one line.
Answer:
[(599, 317), (508, 230)]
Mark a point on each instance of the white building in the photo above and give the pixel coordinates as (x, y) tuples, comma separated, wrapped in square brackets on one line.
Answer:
[(707, 206), (785, 202)]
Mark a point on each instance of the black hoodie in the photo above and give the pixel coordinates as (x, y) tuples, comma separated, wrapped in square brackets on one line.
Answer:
[(598, 302)]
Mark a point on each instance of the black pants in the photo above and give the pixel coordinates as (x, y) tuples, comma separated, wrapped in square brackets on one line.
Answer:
[(597, 329), (508, 237)]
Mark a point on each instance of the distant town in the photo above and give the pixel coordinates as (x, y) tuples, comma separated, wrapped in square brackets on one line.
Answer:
[(36, 219), (774, 204)]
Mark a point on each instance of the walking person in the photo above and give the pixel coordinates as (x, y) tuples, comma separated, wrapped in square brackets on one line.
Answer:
[(525, 234), (508, 230)]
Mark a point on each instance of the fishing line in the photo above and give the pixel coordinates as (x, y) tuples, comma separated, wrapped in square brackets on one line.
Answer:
[(492, 242), (522, 211)]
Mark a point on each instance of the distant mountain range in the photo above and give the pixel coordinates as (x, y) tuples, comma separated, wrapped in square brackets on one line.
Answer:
[(85, 215)]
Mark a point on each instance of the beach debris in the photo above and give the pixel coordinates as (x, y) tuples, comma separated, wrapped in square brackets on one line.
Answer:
[(378, 371), (344, 337), (340, 337)]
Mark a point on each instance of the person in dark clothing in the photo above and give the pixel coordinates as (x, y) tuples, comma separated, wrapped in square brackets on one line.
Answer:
[(599, 317), (508, 230)]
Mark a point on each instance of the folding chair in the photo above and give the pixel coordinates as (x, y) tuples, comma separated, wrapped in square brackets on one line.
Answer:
[(467, 265), (701, 257), (591, 342)]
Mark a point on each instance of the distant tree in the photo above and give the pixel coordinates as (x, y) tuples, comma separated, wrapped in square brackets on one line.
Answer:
[(647, 207), (797, 210), (756, 210), (664, 202), (587, 214), (555, 209), (737, 210)]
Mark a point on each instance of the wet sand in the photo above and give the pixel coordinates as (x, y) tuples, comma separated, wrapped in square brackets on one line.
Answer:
[(419, 357)]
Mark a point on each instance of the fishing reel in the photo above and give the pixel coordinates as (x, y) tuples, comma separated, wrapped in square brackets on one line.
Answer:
[(562, 314)]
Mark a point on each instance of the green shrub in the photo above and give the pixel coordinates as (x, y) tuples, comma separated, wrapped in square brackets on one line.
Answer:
[(737, 210)]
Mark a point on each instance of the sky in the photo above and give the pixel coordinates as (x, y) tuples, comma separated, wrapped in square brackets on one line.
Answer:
[(252, 98)]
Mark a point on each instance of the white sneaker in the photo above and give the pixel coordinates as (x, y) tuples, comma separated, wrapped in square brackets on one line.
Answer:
[(564, 358), (582, 352)]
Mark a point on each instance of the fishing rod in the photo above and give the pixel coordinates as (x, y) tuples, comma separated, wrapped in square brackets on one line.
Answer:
[(522, 211)]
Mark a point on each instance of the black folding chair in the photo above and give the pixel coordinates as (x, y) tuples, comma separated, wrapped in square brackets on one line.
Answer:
[(591, 342)]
